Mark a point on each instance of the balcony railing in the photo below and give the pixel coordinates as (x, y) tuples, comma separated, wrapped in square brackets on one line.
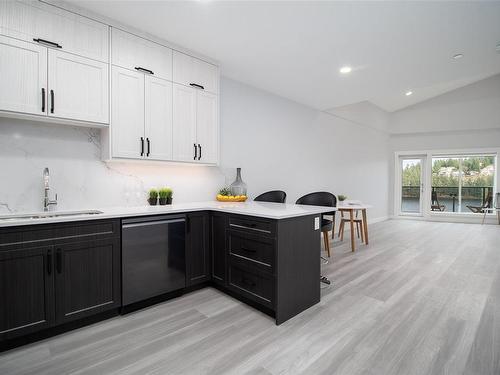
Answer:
[(447, 196)]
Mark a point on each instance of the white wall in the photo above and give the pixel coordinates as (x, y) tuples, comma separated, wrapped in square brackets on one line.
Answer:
[(473, 107), (464, 119), (283, 145), (278, 143)]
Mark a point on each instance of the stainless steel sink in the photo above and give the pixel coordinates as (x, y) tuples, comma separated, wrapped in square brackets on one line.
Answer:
[(45, 215)]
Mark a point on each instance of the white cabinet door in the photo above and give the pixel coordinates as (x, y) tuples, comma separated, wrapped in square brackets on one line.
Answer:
[(206, 75), (28, 20), (23, 77), (127, 114), (158, 121), (78, 88), (132, 52), (184, 124), (194, 72), (206, 127)]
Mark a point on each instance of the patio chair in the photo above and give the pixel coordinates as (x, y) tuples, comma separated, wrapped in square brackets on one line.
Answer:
[(435, 206), (486, 204)]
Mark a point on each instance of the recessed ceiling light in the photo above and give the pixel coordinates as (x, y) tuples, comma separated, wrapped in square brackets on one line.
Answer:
[(458, 56), (345, 69), (408, 93)]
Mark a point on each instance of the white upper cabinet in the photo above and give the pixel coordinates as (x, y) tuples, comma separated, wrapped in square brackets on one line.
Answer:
[(78, 88), (135, 53), (207, 132), (190, 71), (185, 146), (54, 27), (158, 120), (195, 125), (23, 74), (127, 116)]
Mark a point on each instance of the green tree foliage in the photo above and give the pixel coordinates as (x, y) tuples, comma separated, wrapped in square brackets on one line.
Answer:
[(471, 168)]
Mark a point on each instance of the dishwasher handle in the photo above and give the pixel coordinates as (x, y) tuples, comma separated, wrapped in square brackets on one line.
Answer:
[(153, 222)]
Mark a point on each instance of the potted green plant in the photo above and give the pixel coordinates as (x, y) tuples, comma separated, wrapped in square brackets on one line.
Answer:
[(165, 195), (341, 199), (153, 197)]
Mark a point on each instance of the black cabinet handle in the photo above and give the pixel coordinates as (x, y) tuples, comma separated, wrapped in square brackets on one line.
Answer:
[(51, 101), (248, 250), (149, 147), (195, 151), (43, 100), (144, 70), (49, 262), (199, 156), (196, 85), (142, 146), (59, 261), (48, 42), (246, 281)]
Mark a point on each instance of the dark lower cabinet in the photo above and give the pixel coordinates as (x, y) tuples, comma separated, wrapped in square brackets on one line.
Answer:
[(198, 248), (218, 226), (51, 274), (87, 278), (26, 291)]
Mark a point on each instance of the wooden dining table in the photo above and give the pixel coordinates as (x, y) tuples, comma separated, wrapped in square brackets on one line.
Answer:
[(351, 209)]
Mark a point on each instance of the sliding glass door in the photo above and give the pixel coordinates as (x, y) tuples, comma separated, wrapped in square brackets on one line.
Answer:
[(411, 184), (440, 184), (462, 184)]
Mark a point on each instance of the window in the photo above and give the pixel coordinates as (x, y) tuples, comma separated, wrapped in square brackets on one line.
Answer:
[(461, 183)]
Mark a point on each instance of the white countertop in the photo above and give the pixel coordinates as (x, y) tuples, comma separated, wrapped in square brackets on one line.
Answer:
[(259, 209)]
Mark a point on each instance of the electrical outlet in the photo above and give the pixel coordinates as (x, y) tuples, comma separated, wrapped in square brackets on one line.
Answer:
[(316, 223)]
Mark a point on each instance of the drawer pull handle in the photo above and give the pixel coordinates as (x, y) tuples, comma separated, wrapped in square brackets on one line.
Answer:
[(52, 100), (248, 250), (246, 281), (195, 151), (144, 70), (48, 42), (43, 100), (59, 261), (249, 227), (49, 262), (197, 86)]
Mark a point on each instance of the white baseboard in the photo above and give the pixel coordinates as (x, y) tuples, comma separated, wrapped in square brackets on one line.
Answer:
[(370, 222), (490, 220)]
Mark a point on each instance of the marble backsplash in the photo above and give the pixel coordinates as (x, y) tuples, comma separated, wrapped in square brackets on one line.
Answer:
[(78, 175)]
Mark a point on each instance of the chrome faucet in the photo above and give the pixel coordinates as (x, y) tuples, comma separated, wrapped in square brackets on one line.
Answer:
[(46, 200)]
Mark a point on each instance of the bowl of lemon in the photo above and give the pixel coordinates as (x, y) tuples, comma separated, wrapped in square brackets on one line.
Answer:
[(226, 196)]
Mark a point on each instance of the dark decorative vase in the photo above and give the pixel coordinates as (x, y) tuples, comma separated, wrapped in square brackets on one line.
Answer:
[(163, 201), (153, 201), (238, 187), (169, 200)]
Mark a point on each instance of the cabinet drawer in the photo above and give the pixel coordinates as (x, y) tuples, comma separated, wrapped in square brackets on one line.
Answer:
[(132, 52), (15, 237), (250, 283), (253, 225), (252, 247)]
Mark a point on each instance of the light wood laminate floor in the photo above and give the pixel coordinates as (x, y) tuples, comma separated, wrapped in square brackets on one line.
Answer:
[(422, 298)]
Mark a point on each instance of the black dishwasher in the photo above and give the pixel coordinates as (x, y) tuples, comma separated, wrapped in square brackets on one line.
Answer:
[(153, 257)]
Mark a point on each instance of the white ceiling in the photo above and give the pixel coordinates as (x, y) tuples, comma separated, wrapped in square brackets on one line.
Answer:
[(295, 49)]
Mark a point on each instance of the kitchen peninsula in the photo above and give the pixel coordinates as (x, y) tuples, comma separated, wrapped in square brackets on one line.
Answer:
[(68, 267)]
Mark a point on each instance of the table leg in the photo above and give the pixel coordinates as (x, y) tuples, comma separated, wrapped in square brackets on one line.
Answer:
[(353, 240), (498, 217), (365, 226)]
